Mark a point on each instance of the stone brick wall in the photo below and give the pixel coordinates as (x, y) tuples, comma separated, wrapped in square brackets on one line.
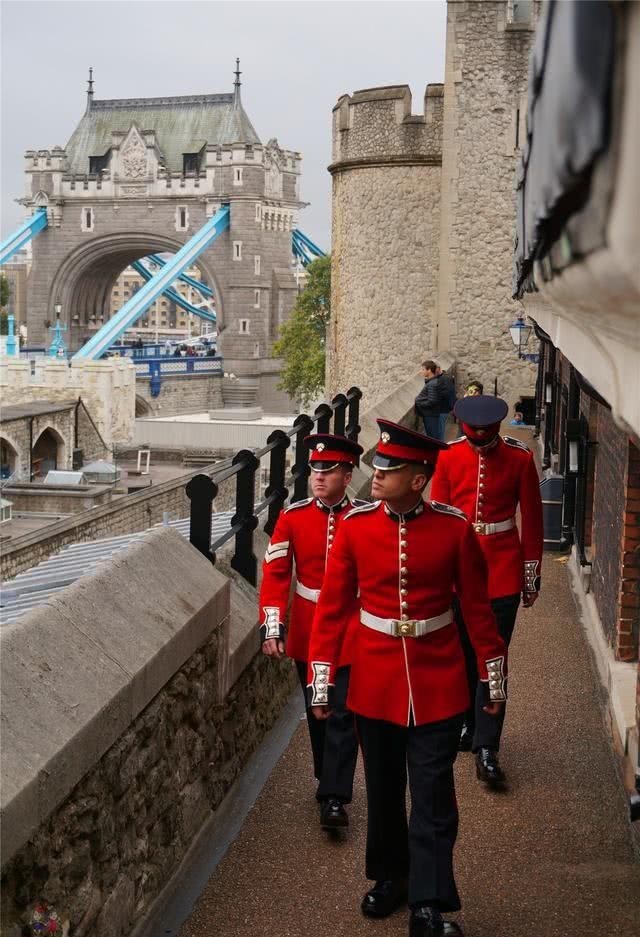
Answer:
[(129, 514), (485, 92), (107, 388), (48, 500), (385, 229), (108, 850), (89, 439), (192, 394), (608, 524)]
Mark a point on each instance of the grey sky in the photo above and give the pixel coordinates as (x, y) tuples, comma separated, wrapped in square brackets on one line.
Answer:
[(296, 59)]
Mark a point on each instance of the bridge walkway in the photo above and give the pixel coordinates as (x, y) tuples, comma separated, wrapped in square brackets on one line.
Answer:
[(552, 857)]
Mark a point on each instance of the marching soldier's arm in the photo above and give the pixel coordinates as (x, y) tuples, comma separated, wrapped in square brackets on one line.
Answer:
[(440, 489), (333, 612), (532, 528), (277, 570), (471, 588)]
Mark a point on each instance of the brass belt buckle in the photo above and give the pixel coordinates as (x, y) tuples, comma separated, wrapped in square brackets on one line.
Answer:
[(479, 528), (405, 629)]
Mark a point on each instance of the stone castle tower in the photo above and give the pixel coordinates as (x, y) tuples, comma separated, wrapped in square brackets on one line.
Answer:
[(141, 176), (385, 237), (423, 213)]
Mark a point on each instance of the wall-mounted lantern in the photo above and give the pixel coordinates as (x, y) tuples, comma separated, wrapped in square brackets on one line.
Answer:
[(520, 334)]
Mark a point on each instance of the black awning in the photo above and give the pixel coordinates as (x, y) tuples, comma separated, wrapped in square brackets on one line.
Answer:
[(568, 124)]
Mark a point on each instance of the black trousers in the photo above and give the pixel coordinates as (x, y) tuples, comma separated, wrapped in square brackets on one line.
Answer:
[(486, 729), (421, 851), (334, 742)]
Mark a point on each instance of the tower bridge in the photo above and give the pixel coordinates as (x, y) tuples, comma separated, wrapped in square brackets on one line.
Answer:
[(141, 177)]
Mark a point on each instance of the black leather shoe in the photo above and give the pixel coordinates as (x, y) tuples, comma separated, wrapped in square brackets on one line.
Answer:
[(384, 898), (333, 816), (488, 769), (466, 739), (427, 922)]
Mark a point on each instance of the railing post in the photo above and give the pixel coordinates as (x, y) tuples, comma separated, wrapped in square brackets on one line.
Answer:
[(339, 407), (244, 559), (201, 491), (277, 466), (300, 469), (353, 426), (323, 415)]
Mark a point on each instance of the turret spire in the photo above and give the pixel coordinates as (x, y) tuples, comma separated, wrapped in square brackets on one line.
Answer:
[(90, 90), (236, 86)]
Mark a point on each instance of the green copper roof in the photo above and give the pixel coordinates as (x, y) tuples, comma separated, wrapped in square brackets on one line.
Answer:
[(182, 125)]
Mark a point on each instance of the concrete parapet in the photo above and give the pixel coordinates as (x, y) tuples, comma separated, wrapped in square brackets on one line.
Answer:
[(78, 670), (131, 702)]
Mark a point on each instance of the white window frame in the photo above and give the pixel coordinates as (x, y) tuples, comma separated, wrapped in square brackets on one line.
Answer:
[(244, 326), (256, 299), (85, 211), (237, 250), (179, 225), (256, 264), (237, 175)]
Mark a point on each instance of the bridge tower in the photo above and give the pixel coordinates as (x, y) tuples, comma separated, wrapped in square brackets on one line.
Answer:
[(141, 176)]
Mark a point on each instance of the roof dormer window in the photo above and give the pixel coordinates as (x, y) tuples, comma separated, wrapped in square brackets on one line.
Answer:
[(97, 164), (190, 162)]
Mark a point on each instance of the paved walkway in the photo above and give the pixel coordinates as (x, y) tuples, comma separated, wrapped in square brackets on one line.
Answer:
[(552, 857)]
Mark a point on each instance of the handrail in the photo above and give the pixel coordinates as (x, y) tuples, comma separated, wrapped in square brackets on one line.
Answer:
[(202, 489)]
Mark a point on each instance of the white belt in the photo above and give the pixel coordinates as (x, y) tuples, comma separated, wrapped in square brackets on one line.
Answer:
[(485, 529), (405, 629), (311, 594)]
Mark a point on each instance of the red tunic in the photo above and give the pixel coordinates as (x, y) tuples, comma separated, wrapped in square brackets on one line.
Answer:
[(405, 566), (304, 534), (488, 486)]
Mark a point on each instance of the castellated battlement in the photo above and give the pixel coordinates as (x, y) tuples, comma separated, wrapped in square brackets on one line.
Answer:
[(375, 126)]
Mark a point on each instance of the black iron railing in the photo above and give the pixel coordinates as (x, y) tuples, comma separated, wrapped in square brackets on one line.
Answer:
[(344, 411)]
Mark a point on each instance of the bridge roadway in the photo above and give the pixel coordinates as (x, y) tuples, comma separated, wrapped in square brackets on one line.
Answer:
[(552, 857)]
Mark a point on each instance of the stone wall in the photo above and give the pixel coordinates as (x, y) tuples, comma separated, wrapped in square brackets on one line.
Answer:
[(140, 748), (385, 230), (192, 394), (89, 440), (127, 515), (59, 499), (107, 388), (484, 126)]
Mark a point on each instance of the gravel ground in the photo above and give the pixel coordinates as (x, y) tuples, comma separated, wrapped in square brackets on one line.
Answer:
[(551, 857)]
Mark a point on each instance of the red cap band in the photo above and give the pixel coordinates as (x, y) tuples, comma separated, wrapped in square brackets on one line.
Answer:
[(332, 455)]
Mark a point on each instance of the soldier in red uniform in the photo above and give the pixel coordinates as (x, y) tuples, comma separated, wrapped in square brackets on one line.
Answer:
[(304, 535), (402, 559), (488, 477)]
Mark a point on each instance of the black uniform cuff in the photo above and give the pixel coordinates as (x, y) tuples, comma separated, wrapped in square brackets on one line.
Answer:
[(263, 634)]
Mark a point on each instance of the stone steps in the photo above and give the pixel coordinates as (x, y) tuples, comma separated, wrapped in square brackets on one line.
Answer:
[(239, 393)]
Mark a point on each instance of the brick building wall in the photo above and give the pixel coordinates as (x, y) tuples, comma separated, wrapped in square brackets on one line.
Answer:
[(629, 624), (608, 528)]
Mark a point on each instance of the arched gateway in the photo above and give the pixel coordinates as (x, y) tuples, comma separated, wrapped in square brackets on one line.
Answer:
[(141, 176)]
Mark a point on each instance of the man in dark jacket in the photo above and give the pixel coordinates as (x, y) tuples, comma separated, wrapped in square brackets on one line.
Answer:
[(432, 399)]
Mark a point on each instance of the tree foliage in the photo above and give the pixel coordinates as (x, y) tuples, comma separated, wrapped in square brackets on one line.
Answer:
[(302, 340), (4, 291)]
